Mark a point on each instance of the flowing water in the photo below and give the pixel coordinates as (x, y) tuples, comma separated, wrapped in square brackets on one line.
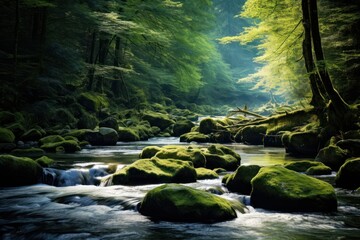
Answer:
[(72, 210)]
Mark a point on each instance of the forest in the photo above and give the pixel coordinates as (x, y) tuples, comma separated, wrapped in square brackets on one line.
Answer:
[(119, 117)]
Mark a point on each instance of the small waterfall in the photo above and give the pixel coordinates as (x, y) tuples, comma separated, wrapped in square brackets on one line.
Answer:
[(72, 177)]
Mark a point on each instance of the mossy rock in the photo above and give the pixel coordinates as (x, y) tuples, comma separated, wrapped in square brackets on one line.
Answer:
[(222, 150), (63, 117), (6, 136), (68, 146), (127, 135), (182, 127), (32, 135), (277, 188), (332, 156), (319, 170), (81, 134), (87, 121), (109, 122), (17, 128), (302, 166), (194, 137), (253, 135), (71, 138), (273, 140), (168, 203), (93, 102), (349, 175), (189, 154), (240, 180), (301, 143), (152, 171), (204, 173), (18, 171), (28, 152), (208, 125), (51, 139), (222, 136), (159, 120), (103, 137), (225, 161), (351, 145), (6, 118), (149, 151), (45, 161), (145, 132)]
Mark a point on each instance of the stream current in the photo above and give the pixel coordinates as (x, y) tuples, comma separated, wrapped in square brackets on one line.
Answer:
[(73, 210)]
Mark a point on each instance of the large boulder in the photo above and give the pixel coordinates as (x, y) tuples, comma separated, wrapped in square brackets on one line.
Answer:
[(253, 135), (173, 202), (149, 151), (240, 180), (103, 137), (309, 167), (18, 171), (109, 122), (127, 135), (32, 135), (219, 156), (194, 137), (158, 119), (51, 139), (277, 188), (151, 171), (208, 125), (351, 145), (182, 126), (6, 136), (332, 156), (301, 143), (349, 175), (189, 154), (28, 152)]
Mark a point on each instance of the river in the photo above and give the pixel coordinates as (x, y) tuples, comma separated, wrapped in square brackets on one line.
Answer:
[(75, 211)]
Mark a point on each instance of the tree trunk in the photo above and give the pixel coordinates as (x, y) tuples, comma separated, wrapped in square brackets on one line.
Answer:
[(340, 106), (16, 36), (317, 99), (91, 62)]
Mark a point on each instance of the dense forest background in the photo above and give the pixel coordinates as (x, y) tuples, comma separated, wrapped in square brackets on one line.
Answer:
[(187, 54)]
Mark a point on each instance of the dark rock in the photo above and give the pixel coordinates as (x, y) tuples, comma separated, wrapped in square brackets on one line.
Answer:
[(332, 156), (240, 180), (104, 137), (351, 145), (253, 135), (349, 175), (31, 135), (182, 126), (18, 171), (109, 122), (301, 143), (207, 126), (29, 152)]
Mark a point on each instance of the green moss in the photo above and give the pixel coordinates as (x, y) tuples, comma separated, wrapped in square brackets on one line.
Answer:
[(149, 151), (32, 135), (127, 135), (278, 188), (45, 161), (51, 139), (222, 150), (240, 180), (203, 173), (173, 202), (92, 101), (6, 136), (303, 166), (254, 134), (189, 154), (182, 126), (194, 137), (158, 119), (349, 175), (332, 156), (69, 146), (71, 138), (29, 152), (151, 171), (207, 126), (81, 134), (318, 170), (18, 171), (225, 161)]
